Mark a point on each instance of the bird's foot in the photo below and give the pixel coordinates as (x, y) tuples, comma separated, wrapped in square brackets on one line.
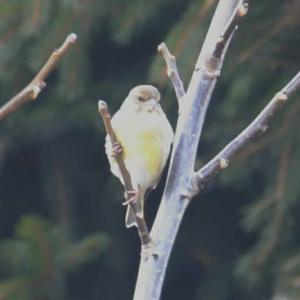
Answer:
[(131, 197), (116, 150)]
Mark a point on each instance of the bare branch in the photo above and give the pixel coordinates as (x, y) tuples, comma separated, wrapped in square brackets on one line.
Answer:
[(289, 118), (182, 182), (188, 132), (231, 26), (103, 110), (172, 71), (258, 126), (33, 89), (291, 87), (141, 225)]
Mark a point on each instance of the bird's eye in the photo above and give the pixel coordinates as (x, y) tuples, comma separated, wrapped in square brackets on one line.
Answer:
[(140, 98)]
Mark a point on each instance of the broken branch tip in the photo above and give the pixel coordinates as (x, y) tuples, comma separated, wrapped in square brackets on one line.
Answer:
[(243, 10), (102, 106), (161, 47), (72, 37)]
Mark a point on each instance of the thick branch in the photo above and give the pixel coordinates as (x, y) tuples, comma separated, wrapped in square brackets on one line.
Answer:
[(258, 126), (172, 71), (189, 127), (32, 90), (141, 225)]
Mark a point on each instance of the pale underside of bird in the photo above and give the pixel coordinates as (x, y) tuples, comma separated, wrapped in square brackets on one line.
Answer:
[(145, 136)]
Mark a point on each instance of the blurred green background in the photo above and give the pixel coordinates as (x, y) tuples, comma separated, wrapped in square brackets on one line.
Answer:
[(62, 233)]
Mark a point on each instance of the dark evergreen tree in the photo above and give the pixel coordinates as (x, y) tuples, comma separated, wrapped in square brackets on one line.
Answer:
[(243, 234)]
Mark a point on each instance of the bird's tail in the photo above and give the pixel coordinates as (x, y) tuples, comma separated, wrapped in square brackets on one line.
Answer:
[(130, 219)]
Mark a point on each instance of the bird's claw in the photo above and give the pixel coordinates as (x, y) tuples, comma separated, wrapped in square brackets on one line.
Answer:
[(116, 150), (131, 197)]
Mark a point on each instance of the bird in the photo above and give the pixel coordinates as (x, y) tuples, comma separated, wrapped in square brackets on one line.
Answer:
[(144, 137)]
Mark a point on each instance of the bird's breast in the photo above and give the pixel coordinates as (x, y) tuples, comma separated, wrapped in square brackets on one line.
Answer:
[(143, 150), (145, 144)]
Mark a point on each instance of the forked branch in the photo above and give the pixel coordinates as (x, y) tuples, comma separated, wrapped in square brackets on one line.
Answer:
[(33, 89), (188, 131), (182, 182), (258, 126)]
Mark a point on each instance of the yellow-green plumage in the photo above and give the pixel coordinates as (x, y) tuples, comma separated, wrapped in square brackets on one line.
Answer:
[(145, 136)]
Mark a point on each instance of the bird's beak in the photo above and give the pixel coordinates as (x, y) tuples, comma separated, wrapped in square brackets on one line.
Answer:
[(151, 105)]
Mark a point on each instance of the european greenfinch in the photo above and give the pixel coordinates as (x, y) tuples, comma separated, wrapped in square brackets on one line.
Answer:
[(144, 137)]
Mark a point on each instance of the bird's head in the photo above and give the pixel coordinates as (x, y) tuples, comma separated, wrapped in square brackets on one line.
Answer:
[(143, 98)]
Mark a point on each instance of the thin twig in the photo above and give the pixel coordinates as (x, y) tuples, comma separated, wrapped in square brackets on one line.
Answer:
[(141, 225), (239, 13), (103, 110), (279, 134), (258, 126), (33, 89), (214, 60), (172, 71)]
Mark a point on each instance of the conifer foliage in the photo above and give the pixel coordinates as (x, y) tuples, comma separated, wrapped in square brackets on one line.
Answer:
[(240, 239)]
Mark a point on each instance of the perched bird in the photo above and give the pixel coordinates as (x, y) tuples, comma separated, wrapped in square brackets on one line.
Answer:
[(145, 137)]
